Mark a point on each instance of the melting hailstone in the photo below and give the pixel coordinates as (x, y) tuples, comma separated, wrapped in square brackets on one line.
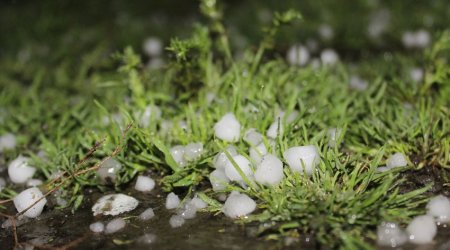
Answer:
[(238, 205), (115, 225), (390, 234), (218, 180), (269, 171), (439, 208), (19, 171), (300, 157), (97, 227), (228, 128), (172, 201), (422, 229), (144, 184), (27, 198), (243, 163), (114, 204), (108, 170)]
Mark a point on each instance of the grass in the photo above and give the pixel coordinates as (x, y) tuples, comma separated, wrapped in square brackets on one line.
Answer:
[(63, 109)]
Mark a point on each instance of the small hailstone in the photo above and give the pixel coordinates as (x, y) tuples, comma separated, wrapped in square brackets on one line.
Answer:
[(176, 221), (298, 55), (416, 74), (422, 229), (382, 169), (358, 83), (153, 46), (326, 32), (439, 208), (256, 153), (329, 57), (243, 163), (177, 153), (188, 211), (97, 227), (390, 234), (378, 24), (228, 128), (252, 137), (274, 129), (34, 182), (302, 156), (172, 201), (269, 171), (193, 151), (409, 39), (221, 159), (147, 239), (144, 184), (19, 171), (115, 225), (27, 198), (147, 214), (198, 203), (396, 160), (238, 205), (150, 113), (218, 180), (7, 141), (114, 204), (108, 170), (422, 38), (333, 136)]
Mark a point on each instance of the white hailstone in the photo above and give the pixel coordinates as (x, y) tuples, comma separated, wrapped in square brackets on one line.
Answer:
[(177, 153), (378, 23), (382, 169), (297, 55), (221, 159), (329, 57), (19, 171), (228, 128), (243, 163), (115, 225), (7, 141), (274, 129), (97, 227), (422, 229), (408, 39), (256, 153), (439, 208), (34, 182), (396, 160), (306, 157), (114, 204), (27, 198), (172, 201), (238, 205), (147, 239), (252, 137), (176, 221), (416, 74), (193, 151), (292, 116), (108, 170), (210, 97), (326, 32), (358, 83), (153, 46), (188, 211), (144, 184), (218, 180), (183, 125), (198, 203), (315, 63), (147, 214), (390, 234), (333, 135), (422, 38), (151, 113), (269, 171)]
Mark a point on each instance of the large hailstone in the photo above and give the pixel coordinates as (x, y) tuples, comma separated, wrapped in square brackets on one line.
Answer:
[(114, 204), (269, 171), (439, 208), (422, 229), (27, 198), (218, 180), (243, 163), (221, 159), (256, 153), (7, 141), (302, 156), (19, 171), (238, 205), (390, 234), (228, 128)]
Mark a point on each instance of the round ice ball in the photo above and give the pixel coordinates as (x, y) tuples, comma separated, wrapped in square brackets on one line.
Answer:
[(147, 214), (396, 160), (252, 137), (243, 163), (422, 229), (439, 208), (221, 159), (172, 201), (274, 129), (218, 180), (177, 153), (150, 113), (302, 156), (27, 198), (193, 151), (7, 141), (390, 234), (176, 221), (256, 153), (19, 171), (108, 170), (329, 57), (269, 171), (333, 135), (298, 55), (228, 128), (97, 227), (238, 205), (144, 184), (115, 225), (153, 46)]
